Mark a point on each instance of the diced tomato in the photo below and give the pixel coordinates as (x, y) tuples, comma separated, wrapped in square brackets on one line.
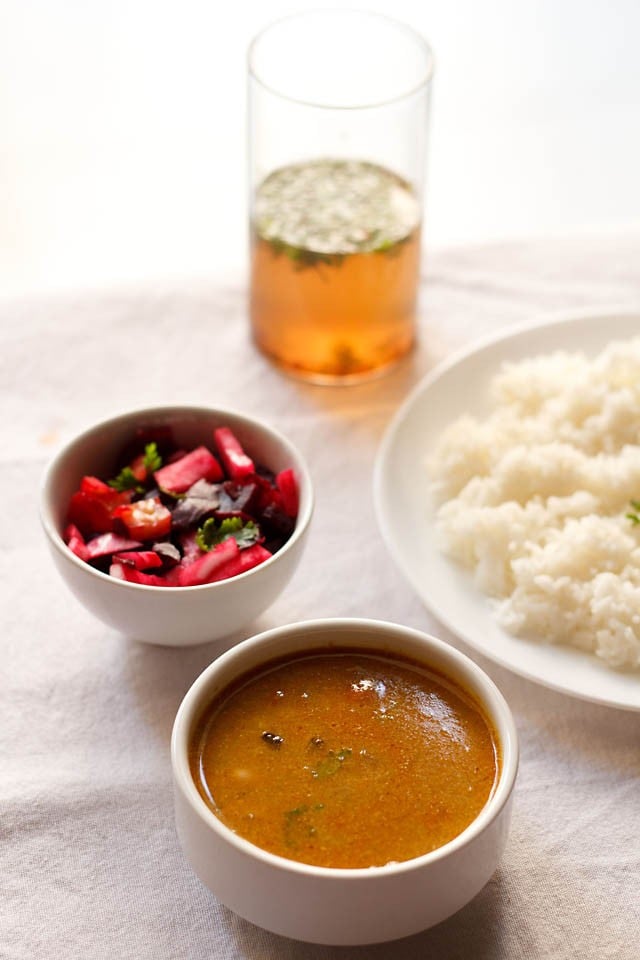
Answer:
[(139, 468), (178, 476), (203, 569), (245, 560), (123, 572), (91, 507), (288, 487), (92, 514), (235, 460), (145, 519), (98, 490), (88, 514), (96, 487), (75, 541), (139, 559)]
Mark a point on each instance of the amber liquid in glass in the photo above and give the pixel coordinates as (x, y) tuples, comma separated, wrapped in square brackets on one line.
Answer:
[(334, 269)]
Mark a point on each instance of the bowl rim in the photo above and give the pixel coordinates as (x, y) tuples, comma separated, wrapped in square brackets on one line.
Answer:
[(175, 410), (490, 698)]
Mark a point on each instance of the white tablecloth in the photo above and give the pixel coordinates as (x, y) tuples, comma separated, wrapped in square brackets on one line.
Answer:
[(89, 861)]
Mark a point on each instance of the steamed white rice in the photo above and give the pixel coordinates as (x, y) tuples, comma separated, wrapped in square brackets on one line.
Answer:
[(534, 499)]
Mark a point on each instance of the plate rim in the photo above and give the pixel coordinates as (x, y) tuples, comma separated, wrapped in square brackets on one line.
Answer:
[(501, 334)]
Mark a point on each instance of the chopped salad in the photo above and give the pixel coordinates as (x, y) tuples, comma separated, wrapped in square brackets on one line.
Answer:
[(182, 518)]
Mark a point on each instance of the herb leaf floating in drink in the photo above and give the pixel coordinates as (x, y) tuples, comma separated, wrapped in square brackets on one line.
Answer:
[(334, 267), (179, 518)]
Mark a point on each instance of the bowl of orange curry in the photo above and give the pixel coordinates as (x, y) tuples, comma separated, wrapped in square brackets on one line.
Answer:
[(344, 781)]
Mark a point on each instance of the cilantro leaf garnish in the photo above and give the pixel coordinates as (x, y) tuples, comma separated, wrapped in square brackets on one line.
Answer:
[(152, 459), (635, 515), (211, 533), (126, 480)]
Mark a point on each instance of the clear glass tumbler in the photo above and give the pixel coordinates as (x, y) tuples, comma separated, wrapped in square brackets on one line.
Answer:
[(338, 124)]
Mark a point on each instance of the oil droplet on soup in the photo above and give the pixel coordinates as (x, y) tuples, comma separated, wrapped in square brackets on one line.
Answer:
[(345, 759)]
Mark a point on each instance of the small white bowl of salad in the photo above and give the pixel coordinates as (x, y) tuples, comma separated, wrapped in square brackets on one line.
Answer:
[(177, 525)]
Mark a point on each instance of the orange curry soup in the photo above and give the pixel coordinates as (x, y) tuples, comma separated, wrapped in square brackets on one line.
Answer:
[(345, 758)]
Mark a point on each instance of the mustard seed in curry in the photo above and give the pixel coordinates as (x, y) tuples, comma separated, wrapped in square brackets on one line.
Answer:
[(345, 759)]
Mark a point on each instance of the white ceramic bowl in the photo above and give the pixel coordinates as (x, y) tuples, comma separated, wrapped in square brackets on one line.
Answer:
[(172, 616), (341, 906)]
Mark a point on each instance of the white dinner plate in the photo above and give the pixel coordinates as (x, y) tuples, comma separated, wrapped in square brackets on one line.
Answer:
[(406, 514)]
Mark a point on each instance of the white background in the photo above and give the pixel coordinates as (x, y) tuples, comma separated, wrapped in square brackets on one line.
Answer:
[(122, 130)]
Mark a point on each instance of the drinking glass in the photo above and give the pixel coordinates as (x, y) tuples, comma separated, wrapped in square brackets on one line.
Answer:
[(338, 123)]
